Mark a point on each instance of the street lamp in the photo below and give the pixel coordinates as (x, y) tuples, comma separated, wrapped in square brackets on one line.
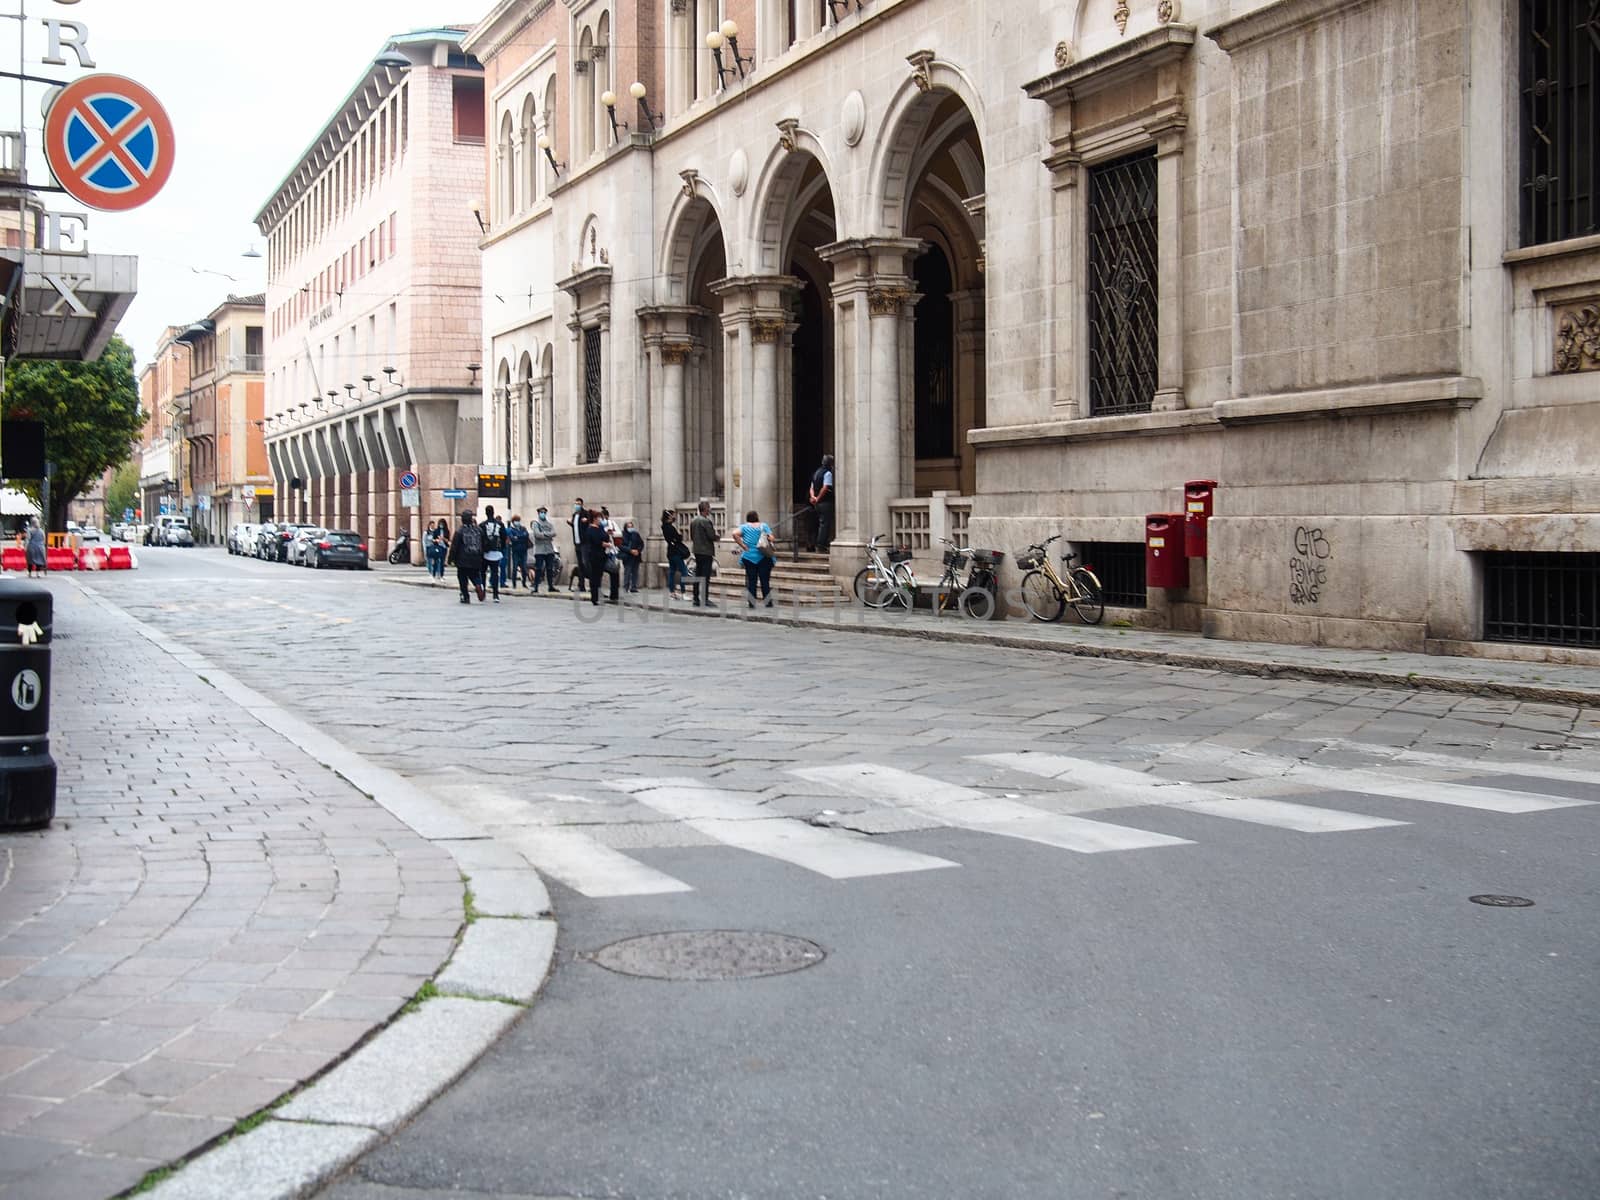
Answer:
[(609, 100), (544, 144), (637, 91)]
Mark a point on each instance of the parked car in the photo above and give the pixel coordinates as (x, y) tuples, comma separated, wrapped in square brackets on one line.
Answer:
[(177, 535), (242, 539), (304, 535), (338, 548), (89, 535), (266, 547)]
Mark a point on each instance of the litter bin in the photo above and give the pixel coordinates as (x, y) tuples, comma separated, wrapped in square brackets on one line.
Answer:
[(1164, 563), (27, 772)]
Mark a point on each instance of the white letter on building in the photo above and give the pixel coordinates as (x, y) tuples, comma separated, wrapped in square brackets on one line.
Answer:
[(78, 42)]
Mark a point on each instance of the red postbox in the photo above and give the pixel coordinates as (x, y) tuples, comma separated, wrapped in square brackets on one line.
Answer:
[(1197, 496), (1164, 563)]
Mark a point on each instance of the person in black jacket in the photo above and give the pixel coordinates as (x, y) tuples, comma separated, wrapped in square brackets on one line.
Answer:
[(632, 556), (592, 548), (677, 554), (466, 555)]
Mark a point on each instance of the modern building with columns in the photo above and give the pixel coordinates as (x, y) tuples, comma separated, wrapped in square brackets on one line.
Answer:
[(1028, 269), (373, 302)]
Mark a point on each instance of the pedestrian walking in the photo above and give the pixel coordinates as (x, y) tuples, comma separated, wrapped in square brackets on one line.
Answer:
[(821, 495), (579, 521), (703, 541), (632, 549), (677, 554), (759, 552), (437, 545), (517, 541), (466, 555), (543, 532), (35, 552), (494, 550)]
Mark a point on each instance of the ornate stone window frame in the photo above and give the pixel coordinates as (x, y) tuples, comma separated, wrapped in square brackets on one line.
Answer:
[(591, 309), (1154, 60)]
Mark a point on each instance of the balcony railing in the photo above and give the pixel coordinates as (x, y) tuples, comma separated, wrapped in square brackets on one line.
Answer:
[(252, 364)]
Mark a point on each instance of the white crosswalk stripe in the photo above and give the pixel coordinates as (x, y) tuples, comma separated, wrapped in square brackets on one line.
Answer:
[(968, 808), (738, 821), (1561, 772), (1374, 783), (589, 866), (1121, 787)]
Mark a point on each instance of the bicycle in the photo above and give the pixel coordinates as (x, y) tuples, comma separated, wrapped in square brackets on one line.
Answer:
[(887, 579), (1046, 594)]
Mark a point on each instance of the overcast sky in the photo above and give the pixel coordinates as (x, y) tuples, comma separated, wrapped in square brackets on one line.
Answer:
[(247, 87)]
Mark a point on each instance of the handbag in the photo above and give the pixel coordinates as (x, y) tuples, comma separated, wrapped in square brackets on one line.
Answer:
[(768, 545)]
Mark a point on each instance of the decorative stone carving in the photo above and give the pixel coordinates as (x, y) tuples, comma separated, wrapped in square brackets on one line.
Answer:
[(766, 330), (920, 61), (1063, 55), (1120, 16), (854, 118), (598, 53), (1167, 11), (788, 128), (675, 354), (887, 301), (680, 6), (739, 172), (690, 177), (581, 66), (1578, 338)]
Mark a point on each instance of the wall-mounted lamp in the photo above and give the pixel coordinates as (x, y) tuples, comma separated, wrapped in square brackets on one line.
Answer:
[(304, 404), (637, 91), (730, 30), (714, 42), (544, 144), (367, 379), (835, 5), (474, 368), (477, 215), (388, 375), (609, 99)]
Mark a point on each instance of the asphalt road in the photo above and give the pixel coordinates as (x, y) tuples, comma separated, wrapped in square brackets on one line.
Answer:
[(1107, 930)]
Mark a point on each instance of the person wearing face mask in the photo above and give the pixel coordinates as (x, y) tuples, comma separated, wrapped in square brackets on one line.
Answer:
[(543, 533), (632, 555), (517, 539), (577, 523)]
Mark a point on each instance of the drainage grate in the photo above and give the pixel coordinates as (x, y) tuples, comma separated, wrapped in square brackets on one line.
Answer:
[(708, 955), (1490, 901)]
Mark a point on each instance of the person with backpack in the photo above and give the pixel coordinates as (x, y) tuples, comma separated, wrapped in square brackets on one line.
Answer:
[(494, 549), (759, 552), (517, 540), (466, 555)]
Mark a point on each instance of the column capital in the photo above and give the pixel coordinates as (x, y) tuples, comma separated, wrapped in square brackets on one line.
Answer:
[(675, 354), (871, 256)]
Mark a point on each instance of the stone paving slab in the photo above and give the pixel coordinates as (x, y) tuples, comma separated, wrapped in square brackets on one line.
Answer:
[(213, 918), (1553, 683)]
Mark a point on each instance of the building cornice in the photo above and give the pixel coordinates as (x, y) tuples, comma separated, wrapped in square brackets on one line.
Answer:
[(1280, 17), (1145, 53), (490, 35)]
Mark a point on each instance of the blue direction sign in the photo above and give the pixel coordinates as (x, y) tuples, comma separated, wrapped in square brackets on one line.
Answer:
[(408, 480), (455, 493)]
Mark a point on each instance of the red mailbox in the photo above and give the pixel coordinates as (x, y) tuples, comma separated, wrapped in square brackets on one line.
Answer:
[(1197, 494), (1164, 563)]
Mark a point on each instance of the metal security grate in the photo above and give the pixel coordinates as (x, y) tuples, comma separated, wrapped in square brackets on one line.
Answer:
[(1122, 285), (1119, 566), (1560, 119), (1549, 599), (592, 383)]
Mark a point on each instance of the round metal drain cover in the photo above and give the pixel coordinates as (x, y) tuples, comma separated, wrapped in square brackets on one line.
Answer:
[(1502, 901), (706, 955)]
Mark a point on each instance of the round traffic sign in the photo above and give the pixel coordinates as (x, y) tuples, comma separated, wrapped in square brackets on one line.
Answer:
[(109, 142), (408, 480)]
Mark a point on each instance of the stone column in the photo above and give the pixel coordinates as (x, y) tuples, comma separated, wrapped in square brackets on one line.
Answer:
[(1065, 330), (1169, 269), (670, 469), (971, 375), (765, 407), (755, 315)]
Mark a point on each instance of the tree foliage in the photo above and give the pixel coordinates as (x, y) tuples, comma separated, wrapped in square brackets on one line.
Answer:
[(91, 419), (123, 492)]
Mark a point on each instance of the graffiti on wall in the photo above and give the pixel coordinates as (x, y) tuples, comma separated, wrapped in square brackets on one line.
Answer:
[(1308, 569)]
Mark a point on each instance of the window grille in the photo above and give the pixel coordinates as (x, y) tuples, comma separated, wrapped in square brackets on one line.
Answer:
[(592, 382), (1119, 566), (1548, 599), (1122, 285), (1560, 119)]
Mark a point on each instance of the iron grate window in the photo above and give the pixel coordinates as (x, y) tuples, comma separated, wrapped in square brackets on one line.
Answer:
[(1548, 599), (1119, 566), (1560, 119), (592, 383), (1122, 285)]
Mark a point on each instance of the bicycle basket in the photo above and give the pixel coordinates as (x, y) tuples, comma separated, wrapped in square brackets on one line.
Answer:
[(899, 556), (1029, 562), (988, 558), (955, 558)]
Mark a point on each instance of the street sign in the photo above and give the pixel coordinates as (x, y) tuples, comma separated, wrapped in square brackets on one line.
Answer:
[(248, 494), (127, 514), (494, 485), (454, 493), (205, 503), (408, 481), (109, 142), (412, 497)]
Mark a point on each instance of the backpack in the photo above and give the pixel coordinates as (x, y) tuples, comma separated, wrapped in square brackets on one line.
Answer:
[(491, 534), (472, 541)]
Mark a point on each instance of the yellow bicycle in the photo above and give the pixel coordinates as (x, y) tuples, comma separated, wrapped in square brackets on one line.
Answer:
[(1046, 594)]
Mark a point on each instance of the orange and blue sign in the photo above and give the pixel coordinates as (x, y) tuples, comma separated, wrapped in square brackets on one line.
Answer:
[(109, 142)]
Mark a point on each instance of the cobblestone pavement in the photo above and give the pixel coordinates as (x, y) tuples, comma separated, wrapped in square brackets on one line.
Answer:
[(212, 919)]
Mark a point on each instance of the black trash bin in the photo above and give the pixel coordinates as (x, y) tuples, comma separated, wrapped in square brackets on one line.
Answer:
[(27, 772)]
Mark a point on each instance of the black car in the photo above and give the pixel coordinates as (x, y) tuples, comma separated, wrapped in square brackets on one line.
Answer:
[(266, 546), (338, 548), (275, 548)]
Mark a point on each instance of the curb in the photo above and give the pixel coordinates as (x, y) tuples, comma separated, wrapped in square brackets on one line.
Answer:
[(501, 960), (1232, 665)]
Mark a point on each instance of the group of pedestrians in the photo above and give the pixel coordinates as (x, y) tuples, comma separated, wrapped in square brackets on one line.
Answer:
[(602, 548)]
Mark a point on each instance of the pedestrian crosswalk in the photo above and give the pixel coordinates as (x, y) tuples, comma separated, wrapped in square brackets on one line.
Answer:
[(1057, 800)]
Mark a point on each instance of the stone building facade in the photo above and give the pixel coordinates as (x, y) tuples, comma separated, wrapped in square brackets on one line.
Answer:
[(164, 379), (1027, 269), (373, 307)]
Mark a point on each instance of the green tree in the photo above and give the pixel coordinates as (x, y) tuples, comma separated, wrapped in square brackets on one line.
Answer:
[(91, 417), (123, 492)]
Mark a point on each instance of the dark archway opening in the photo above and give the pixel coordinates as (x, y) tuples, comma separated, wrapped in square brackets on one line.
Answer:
[(934, 373)]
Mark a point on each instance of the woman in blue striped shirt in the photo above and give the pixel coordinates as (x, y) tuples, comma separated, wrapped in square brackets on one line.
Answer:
[(754, 539)]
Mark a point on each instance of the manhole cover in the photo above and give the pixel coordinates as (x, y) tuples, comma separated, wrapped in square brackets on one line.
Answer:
[(703, 955), (1502, 901)]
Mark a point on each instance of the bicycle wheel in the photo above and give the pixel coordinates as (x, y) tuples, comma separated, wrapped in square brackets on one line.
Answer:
[(872, 588), (1090, 601), (1041, 597), (902, 591), (977, 604)]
